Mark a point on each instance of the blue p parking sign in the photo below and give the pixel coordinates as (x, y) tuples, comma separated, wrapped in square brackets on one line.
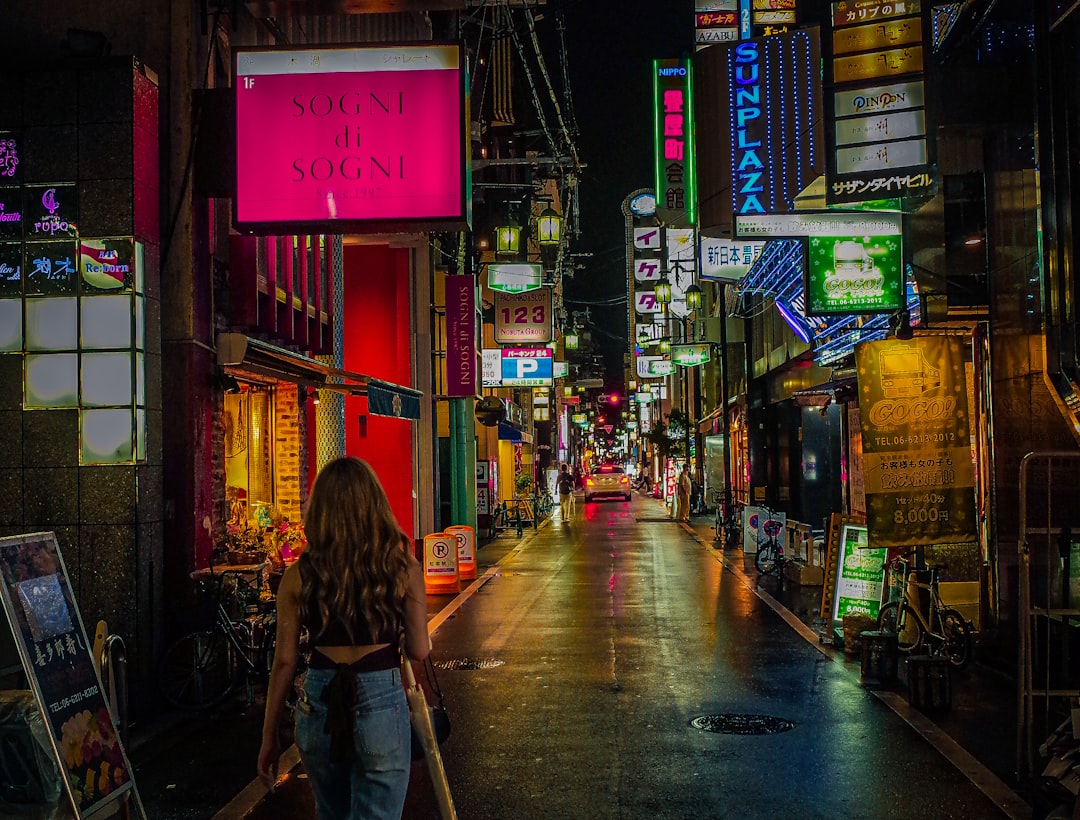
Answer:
[(527, 367)]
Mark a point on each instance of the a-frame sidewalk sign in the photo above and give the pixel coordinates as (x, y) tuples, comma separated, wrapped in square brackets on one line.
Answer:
[(56, 656)]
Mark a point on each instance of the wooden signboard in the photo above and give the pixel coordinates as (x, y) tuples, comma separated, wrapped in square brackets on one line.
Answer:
[(56, 656)]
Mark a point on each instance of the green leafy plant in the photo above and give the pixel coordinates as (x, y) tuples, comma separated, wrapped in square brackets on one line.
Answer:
[(523, 484)]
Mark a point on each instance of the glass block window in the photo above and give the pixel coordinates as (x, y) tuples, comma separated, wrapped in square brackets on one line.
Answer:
[(75, 309)]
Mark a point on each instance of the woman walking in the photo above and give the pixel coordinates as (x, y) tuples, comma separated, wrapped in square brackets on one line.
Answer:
[(355, 589)]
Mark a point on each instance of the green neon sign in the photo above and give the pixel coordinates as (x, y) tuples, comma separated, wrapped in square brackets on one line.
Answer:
[(854, 274)]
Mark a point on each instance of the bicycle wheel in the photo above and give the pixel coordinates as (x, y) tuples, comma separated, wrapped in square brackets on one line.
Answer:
[(956, 644), (197, 671), (908, 632), (766, 559)]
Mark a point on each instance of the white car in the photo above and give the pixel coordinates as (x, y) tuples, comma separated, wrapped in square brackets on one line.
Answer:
[(608, 480)]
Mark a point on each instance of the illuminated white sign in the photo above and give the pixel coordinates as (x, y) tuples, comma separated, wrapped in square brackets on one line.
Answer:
[(724, 260), (878, 99), (825, 224), (879, 127), (515, 278), (879, 157)]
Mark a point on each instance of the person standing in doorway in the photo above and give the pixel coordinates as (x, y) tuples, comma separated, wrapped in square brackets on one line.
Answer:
[(685, 489), (565, 485), (356, 589)]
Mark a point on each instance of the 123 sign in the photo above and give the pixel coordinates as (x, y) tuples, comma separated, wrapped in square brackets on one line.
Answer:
[(523, 318)]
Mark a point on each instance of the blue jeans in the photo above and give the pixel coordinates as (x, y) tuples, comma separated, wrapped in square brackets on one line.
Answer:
[(373, 786)]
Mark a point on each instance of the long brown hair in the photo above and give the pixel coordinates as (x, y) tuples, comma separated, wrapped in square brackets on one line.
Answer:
[(354, 563)]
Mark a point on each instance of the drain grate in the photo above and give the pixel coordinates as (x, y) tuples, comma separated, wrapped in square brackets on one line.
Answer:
[(742, 724), (470, 664)]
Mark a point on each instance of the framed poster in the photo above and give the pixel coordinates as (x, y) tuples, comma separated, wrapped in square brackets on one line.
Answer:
[(55, 651)]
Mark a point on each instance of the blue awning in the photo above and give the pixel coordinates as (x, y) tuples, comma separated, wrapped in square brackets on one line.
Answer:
[(508, 432), (385, 399)]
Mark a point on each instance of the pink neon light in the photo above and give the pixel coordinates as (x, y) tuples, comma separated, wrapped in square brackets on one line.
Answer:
[(313, 147)]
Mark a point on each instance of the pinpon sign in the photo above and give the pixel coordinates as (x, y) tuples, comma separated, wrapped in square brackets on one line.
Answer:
[(357, 138)]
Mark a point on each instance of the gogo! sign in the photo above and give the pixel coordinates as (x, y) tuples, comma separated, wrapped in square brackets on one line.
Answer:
[(358, 139)]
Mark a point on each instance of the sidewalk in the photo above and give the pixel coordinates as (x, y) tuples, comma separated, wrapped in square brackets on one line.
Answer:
[(977, 734)]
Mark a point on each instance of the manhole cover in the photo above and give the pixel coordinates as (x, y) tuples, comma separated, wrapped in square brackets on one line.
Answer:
[(469, 664), (742, 724)]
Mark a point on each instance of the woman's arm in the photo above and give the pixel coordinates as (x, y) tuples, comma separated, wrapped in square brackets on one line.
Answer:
[(417, 640), (286, 655)]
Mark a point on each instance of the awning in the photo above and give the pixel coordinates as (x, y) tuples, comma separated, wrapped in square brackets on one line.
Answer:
[(385, 399), (243, 354), (508, 432)]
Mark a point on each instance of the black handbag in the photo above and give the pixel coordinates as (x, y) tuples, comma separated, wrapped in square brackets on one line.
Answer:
[(440, 718)]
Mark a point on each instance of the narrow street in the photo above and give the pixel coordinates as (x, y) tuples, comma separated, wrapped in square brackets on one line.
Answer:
[(573, 673)]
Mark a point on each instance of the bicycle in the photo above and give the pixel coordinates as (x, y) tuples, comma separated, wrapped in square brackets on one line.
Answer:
[(943, 630), (202, 668), (770, 553)]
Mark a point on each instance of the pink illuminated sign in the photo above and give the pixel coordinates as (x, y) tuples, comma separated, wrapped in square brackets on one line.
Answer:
[(350, 139)]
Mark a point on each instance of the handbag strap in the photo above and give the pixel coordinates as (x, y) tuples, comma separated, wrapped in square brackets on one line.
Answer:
[(429, 670)]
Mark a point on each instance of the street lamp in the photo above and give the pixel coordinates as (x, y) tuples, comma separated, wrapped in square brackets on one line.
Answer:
[(570, 340), (693, 297), (665, 345), (548, 227), (507, 239), (663, 291), (643, 338)]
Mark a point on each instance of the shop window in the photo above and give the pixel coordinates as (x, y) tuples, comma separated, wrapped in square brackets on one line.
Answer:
[(249, 484)]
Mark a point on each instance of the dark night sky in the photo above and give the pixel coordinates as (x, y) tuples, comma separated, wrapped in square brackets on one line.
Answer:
[(610, 48)]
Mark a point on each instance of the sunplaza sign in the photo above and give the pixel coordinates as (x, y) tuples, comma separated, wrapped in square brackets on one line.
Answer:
[(337, 140), (774, 99)]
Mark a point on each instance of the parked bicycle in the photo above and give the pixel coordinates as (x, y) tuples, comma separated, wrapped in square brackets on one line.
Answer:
[(205, 666), (942, 631), (770, 553)]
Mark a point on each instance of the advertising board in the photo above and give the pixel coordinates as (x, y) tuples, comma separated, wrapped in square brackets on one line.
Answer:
[(860, 576), (332, 140), (853, 274), (55, 650), (523, 318)]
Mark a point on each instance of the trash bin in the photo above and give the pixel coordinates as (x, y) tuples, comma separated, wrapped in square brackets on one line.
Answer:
[(854, 625), (879, 658), (929, 680)]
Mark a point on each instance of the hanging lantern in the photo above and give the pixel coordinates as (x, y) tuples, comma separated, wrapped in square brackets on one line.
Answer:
[(665, 346), (693, 297), (663, 291), (507, 240), (548, 227), (571, 341)]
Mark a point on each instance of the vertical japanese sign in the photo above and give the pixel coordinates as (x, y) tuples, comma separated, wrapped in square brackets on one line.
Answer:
[(881, 144), (460, 336), (917, 467), (673, 110), (55, 651)]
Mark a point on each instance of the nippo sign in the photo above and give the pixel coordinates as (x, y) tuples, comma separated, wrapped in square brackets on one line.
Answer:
[(362, 139)]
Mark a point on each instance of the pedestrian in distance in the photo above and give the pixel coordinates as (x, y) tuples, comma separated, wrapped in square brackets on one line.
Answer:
[(565, 485), (356, 589), (685, 488)]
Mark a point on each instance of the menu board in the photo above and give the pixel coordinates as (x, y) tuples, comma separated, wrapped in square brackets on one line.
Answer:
[(55, 652), (860, 576)]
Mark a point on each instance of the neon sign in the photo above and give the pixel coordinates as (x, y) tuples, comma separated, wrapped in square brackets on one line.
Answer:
[(749, 166), (676, 185)]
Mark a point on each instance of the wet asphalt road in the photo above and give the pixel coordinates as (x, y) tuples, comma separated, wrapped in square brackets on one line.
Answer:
[(592, 647)]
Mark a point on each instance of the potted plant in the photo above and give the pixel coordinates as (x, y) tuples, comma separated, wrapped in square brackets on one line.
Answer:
[(523, 485), (243, 544)]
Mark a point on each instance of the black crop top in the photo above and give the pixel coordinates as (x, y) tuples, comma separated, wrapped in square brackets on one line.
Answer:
[(336, 634)]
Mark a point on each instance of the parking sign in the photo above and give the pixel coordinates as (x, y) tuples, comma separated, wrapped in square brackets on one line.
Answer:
[(527, 366)]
